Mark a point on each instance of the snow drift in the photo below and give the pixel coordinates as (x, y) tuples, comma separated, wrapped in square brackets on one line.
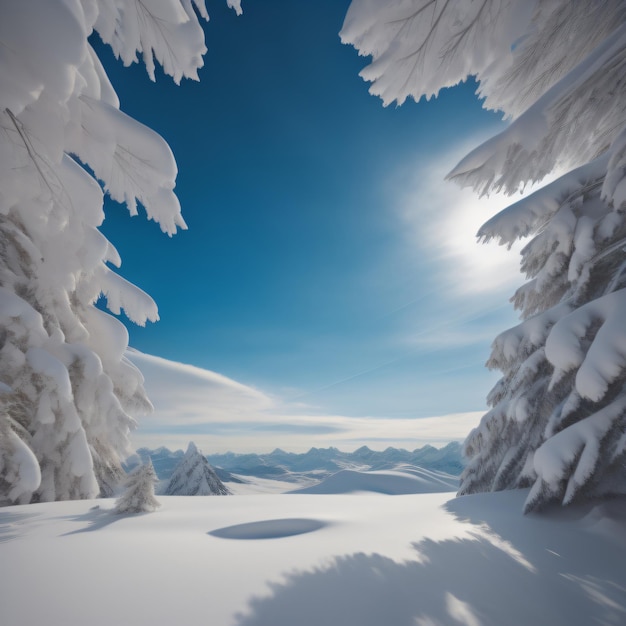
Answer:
[(402, 481)]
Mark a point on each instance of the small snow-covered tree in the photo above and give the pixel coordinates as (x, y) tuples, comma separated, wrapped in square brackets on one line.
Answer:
[(558, 71), (193, 476), (138, 496), (70, 393)]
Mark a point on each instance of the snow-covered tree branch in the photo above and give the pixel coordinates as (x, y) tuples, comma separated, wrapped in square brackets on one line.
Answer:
[(67, 394), (556, 70)]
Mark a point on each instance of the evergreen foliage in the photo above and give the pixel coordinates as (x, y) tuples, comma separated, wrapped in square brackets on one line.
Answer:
[(138, 497), (557, 71), (69, 395)]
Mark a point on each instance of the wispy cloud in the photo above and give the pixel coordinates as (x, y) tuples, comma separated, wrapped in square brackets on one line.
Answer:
[(434, 337), (221, 414)]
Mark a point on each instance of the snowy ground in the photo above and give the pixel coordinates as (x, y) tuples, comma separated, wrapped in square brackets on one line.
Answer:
[(363, 559), (404, 480)]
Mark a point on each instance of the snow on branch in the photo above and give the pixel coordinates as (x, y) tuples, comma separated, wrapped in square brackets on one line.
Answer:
[(556, 69), (421, 46), (121, 294), (571, 456), (72, 390), (592, 341), (135, 163), (528, 215), (614, 188), (165, 31), (571, 124)]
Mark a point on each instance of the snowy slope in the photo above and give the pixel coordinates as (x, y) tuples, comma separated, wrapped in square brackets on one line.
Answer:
[(282, 560), (409, 480)]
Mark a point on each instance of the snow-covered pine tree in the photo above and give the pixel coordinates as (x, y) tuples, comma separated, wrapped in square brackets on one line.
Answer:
[(194, 476), (138, 496), (558, 71), (69, 391)]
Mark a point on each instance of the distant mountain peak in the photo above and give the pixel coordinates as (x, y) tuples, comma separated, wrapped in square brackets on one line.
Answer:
[(316, 463), (193, 476)]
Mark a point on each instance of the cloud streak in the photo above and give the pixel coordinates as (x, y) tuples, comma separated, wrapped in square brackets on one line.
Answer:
[(221, 414), (413, 357)]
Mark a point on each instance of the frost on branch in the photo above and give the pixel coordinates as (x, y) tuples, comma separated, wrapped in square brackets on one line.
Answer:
[(516, 49), (420, 46), (68, 393), (163, 30), (134, 162), (557, 421), (571, 124)]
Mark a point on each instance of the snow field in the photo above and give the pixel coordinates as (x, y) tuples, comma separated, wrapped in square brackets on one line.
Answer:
[(411, 480), (366, 560)]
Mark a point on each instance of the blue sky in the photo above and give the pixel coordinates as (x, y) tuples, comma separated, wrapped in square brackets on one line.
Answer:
[(327, 264)]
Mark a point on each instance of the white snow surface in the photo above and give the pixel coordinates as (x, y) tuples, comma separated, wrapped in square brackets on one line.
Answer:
[(390, 482), (281, 560)]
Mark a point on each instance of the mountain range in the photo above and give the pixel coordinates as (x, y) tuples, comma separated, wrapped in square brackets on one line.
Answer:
[(317, 463)]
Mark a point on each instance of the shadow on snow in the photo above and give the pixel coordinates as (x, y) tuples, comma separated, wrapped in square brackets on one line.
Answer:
[(514, 569), (97, 518), (9, 522)]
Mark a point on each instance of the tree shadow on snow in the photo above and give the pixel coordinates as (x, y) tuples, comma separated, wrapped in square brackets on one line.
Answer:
[(514, 569), (95, 519), (9, 523)]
